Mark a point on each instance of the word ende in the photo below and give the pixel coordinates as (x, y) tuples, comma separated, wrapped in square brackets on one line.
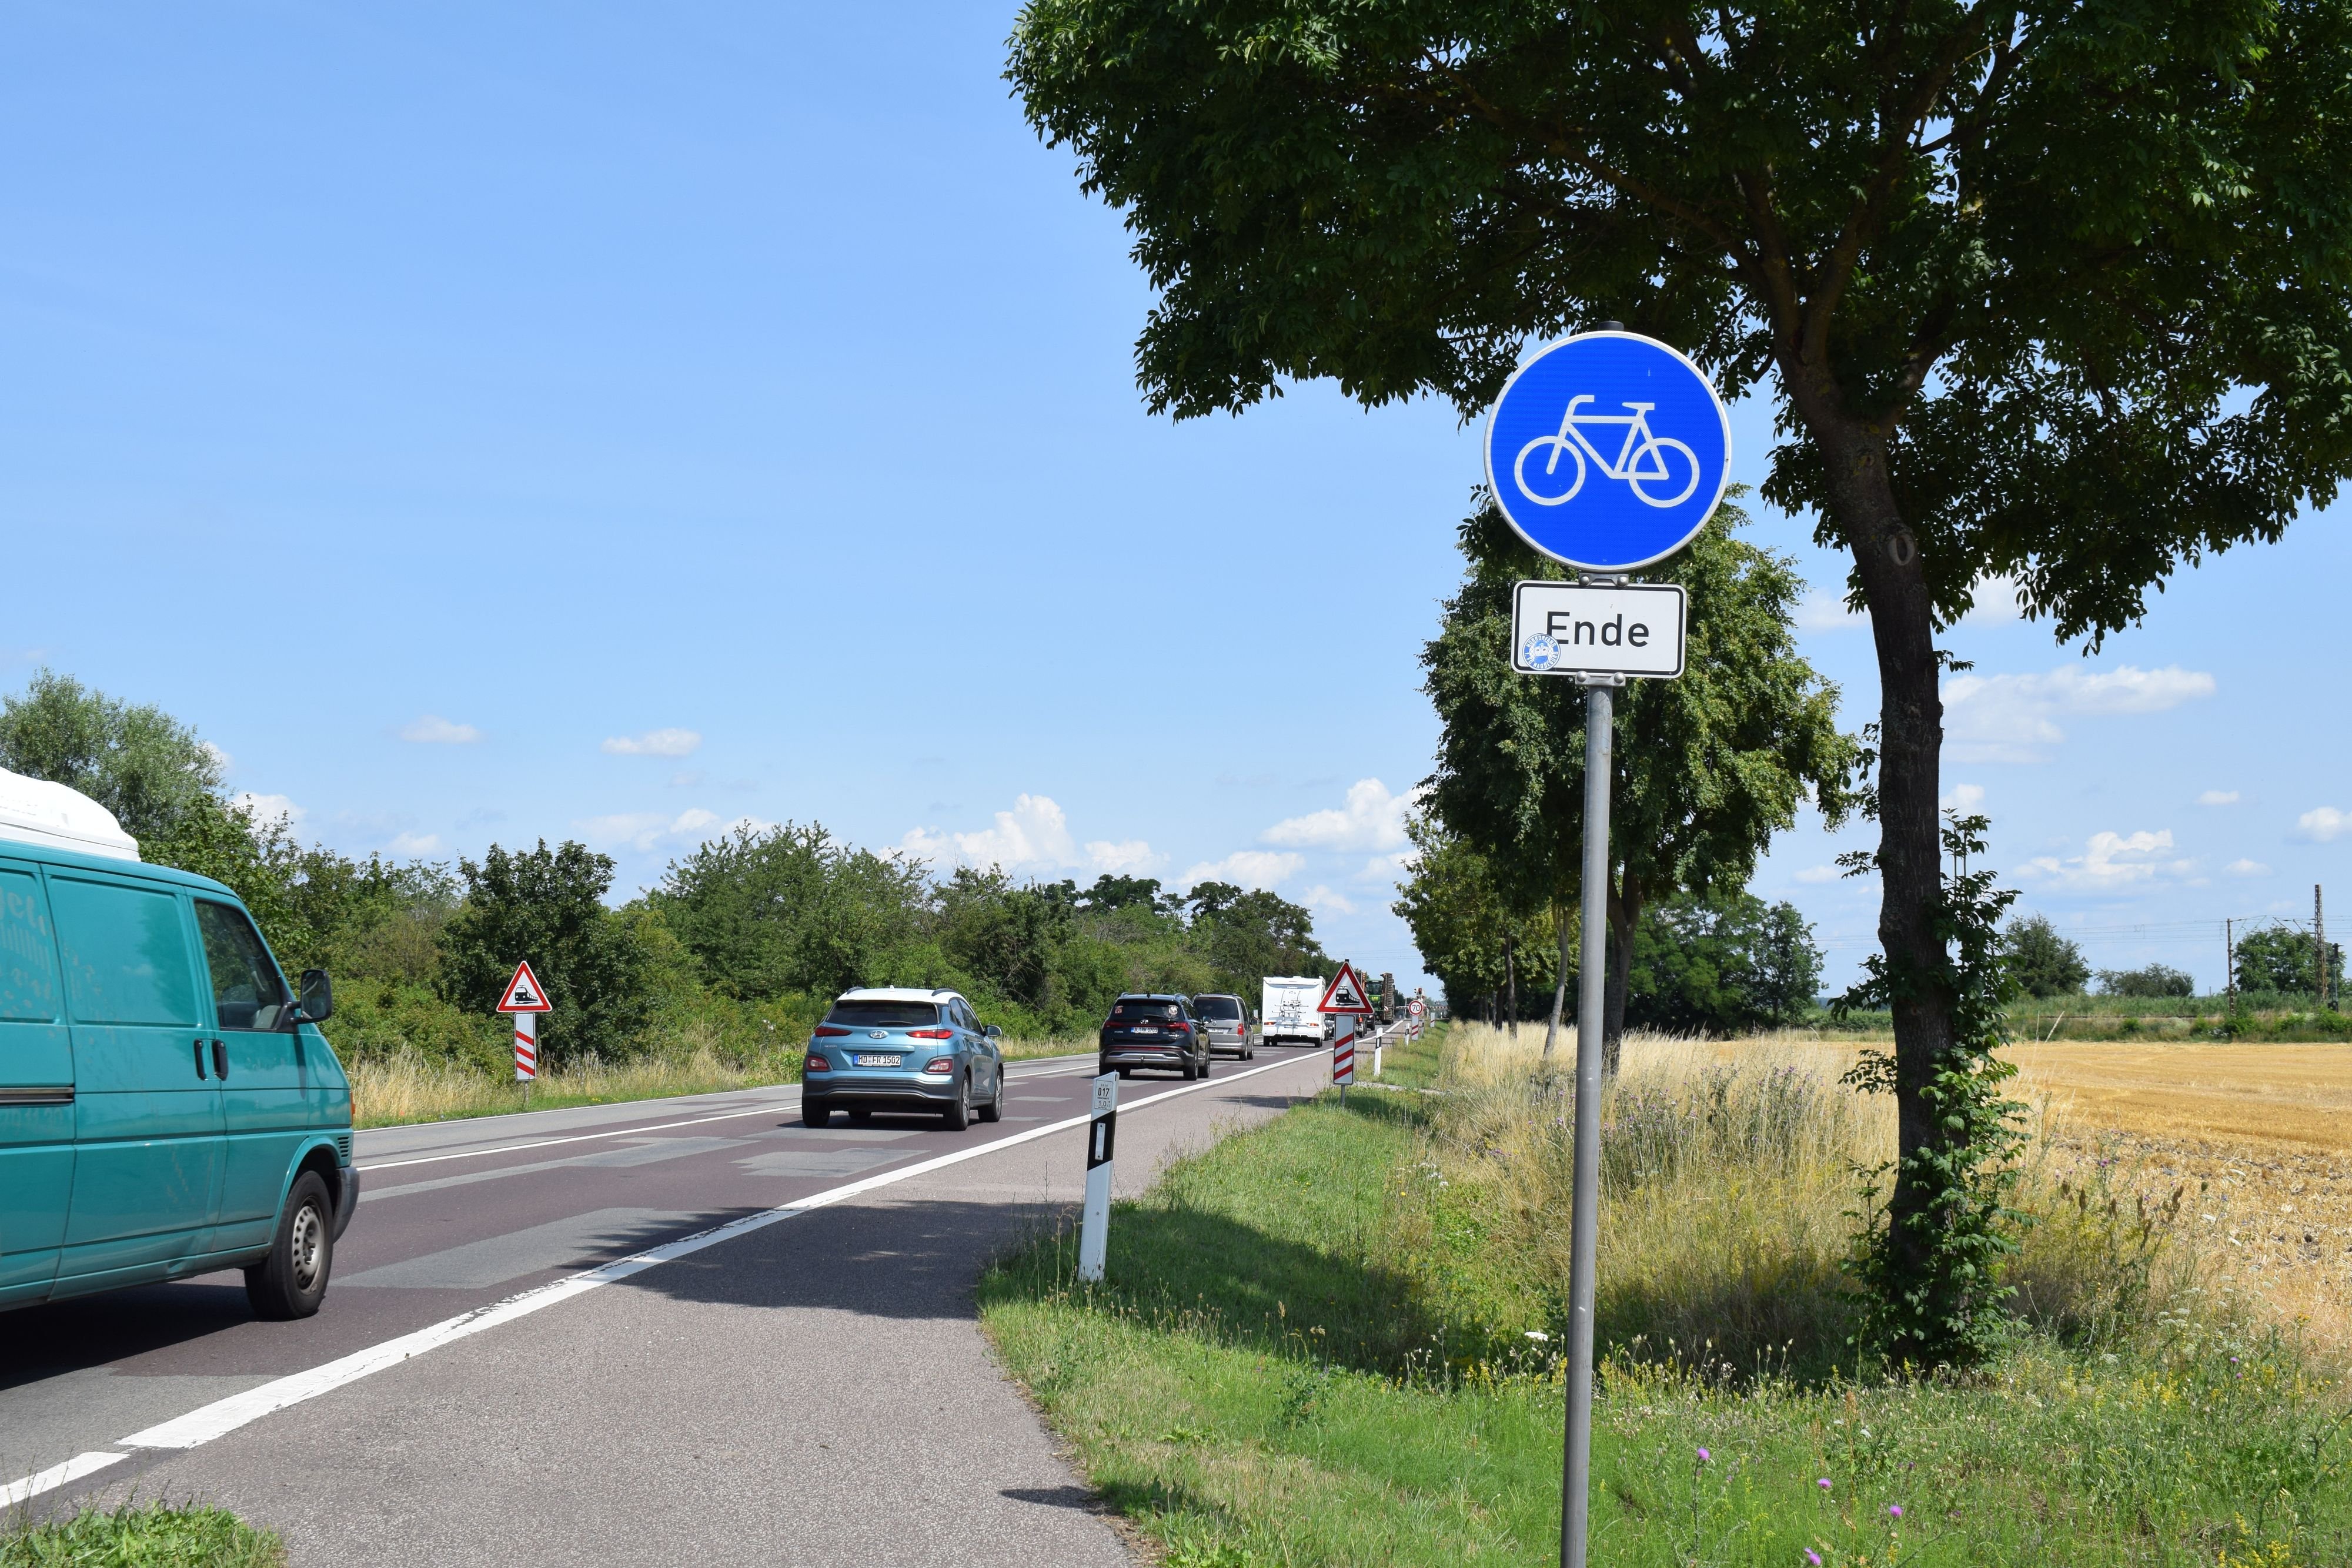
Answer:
[(1597, 629)]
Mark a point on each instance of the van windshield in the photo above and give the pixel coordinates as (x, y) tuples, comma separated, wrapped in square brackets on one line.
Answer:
[(884, 1015)]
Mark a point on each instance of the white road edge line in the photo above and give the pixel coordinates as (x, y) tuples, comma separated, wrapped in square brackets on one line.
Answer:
[(56, 1475), (224, 1416), (780, 1103)]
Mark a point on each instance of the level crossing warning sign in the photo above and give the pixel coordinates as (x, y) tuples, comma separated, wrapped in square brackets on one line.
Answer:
[(1344, 994), (524, 994)]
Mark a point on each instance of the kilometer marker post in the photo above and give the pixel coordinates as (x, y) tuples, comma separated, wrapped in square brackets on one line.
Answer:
[(1094, 1229)]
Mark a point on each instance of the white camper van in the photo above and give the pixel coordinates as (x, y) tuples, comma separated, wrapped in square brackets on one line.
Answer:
[(1288, 1014)]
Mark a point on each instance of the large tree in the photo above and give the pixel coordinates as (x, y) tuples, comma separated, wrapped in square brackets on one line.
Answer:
[(1709, 766), (1472, 933), (2060, 290)]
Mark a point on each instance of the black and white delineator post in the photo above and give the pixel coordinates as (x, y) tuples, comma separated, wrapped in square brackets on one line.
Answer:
[(1094, 1231), (1608, 452)]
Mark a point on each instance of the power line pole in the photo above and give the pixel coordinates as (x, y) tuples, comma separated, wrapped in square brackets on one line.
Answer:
[(2319, 946), (2229, 960)]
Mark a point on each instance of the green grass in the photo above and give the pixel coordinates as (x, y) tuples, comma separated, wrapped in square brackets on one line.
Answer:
[(143, 1537), (1273, 1373)]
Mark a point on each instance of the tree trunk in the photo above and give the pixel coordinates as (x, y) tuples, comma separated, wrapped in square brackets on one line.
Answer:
[(1511, 980), (1626, 904), (1559, 991), (1910, 741)]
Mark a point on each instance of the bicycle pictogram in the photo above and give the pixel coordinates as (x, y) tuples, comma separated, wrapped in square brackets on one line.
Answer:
[(1640, 459)]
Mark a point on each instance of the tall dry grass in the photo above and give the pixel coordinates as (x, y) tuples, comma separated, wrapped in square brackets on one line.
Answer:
[(1729, 1186)]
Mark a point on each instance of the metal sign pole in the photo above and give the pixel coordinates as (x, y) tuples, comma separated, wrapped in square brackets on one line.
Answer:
[(1575, 1471)]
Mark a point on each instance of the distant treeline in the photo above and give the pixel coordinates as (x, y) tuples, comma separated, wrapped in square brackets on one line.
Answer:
[(739, 950)]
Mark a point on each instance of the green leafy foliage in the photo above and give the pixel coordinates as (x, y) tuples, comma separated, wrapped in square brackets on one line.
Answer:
[(1709, 766), (1727, 965), (547, 906), (136, 760), (2149, 981), (2279, 958), (1927, 1262), (141, 1535), (1467, 934), (2043, 962)]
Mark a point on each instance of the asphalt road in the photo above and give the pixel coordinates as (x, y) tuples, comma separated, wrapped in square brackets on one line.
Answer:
[(689, 1327)]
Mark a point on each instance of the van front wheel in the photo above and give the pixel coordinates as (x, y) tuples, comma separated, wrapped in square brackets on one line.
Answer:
[(292, 1280)]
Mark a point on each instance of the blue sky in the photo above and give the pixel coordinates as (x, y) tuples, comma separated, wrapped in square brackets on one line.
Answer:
[(485, 432)]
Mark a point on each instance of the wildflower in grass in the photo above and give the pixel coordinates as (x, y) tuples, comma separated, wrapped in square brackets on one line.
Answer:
[(1537, 1335), (1824, 1483), (1894, 1511), (1812, 1557), (1703, 1456)]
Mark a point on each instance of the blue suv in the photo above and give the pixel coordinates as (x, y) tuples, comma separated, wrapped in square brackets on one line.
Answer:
[(885, 1048)]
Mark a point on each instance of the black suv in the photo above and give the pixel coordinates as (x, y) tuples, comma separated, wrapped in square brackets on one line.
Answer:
[(1155, 1031)]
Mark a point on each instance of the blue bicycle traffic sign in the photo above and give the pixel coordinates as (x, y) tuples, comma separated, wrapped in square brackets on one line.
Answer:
[(1608, 451)]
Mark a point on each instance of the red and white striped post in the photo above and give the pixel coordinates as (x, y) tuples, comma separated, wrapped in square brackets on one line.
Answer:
[(526, 1033), (1344, 1001)]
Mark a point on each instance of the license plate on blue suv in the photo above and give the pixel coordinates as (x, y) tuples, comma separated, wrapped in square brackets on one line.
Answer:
[(874, 1058)]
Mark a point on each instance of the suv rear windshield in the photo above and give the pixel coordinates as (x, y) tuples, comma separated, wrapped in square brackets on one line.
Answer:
[(1127, 1011), (885, 1015), (1219, 1007)]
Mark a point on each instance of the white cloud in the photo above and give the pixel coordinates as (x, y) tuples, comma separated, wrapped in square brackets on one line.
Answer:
[(1373, 818), (2218, 798), (1995, 603), (266, 809), (1822, 611), (1322, 900), (221, 759), (2246, 868), (414, 845), (2323, 824), (1387, 868), (434, 730), (1820, 874), (1250, 868), (2012, 718), (2111, 860), (646, 831), (1124, 858), (655, 743), (1964, 797), (1033, 836)]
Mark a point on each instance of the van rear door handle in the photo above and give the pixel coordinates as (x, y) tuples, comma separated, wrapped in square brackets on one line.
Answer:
[(220, 1061), (200, 1058)]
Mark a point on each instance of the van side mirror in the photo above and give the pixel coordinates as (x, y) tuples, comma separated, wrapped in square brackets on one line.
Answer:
[(318, 994)]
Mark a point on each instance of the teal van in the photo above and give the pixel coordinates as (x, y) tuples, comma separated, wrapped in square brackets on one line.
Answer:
[(167, 1107)]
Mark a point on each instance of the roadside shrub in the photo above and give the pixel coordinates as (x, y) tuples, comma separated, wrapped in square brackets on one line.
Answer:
[(2153, 980)]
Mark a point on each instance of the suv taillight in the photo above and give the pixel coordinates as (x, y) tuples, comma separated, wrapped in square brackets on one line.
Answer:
[(830, 1032), (930, 1034), (817, 1063)]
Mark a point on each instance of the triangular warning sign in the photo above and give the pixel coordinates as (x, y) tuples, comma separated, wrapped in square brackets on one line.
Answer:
[(1344, 994), (524, 994)]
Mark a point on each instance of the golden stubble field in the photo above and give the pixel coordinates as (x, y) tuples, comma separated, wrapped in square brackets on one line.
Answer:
[(2260, 1135)]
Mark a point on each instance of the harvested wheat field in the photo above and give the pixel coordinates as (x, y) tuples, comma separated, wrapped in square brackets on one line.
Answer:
[(2259, 1136)]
